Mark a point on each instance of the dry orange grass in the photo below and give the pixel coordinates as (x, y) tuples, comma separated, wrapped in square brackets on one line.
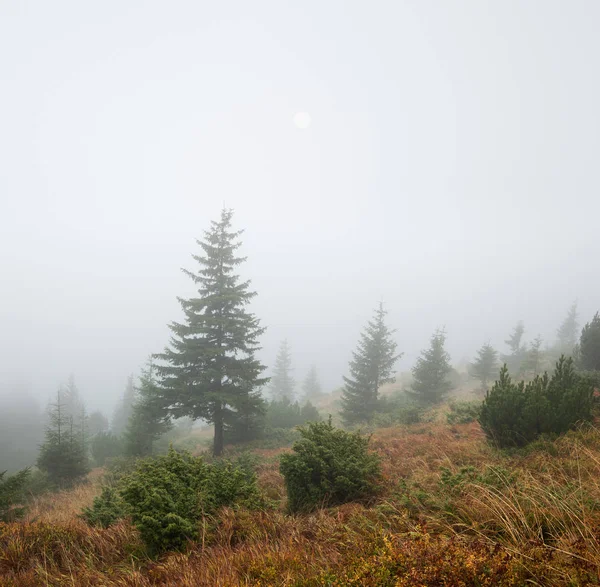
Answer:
[(64, 506), (537, 524)]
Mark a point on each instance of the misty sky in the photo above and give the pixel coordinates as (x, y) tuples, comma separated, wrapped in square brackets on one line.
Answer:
[(451, 168)]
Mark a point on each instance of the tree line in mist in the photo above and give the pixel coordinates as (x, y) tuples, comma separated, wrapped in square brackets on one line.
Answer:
[(209, 372)]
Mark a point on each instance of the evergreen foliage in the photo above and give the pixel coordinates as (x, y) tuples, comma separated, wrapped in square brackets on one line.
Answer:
[(169, 496), (124, 409), (485, 366), (282, 383), (371, 367), (105, 445), (210, 369), (589, 345), (534, 358), (463, 412), (149, 419), (567, 333), (73, 405), (286, 414), (106, 509), (97, 422), (12, 495), (431, 373), (63, 456), (311, 386), (514, 360), (514, 414), (246, 421), (329, 466)]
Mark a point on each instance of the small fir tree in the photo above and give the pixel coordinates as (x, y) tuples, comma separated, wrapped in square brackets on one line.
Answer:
[(72, 403), (311, 386), (282, 382), (567, 333), (63, 456), (371, 367), (124, 409), (514, 359), (12, 495), (534, 357), (97, 423), (210, 365), (431, 374), (485, 366), (589, 345), (149, 419)]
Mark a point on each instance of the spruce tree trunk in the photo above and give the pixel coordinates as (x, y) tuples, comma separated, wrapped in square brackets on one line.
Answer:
[(218, 440)]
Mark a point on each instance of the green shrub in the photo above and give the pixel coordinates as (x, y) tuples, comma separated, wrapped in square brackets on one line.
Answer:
[(12, 495), (168, 496), (515, 414), (462, 412), (107, 509), (286, 414), (397, 409), (329, 466)]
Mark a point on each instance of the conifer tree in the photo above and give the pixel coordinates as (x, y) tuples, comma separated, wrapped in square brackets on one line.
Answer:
[(124, 409), (97, 423), (64, 455), (485, 367), (514, 360), (72, 402), (370, 368), (589, 345), (210, 366), (311, 385), (246, 421), (282, 383), (567, 333), (431, 373), (534, 356), (149, 419)]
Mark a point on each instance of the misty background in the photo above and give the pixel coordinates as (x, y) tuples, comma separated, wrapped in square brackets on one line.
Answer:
[(450, 169)]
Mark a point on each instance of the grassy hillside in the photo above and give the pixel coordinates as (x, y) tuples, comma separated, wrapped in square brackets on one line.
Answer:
[(452, 511)]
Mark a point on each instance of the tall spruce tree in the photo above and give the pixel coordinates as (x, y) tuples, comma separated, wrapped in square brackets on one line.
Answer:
[(431, 373), (311, 386), (567, 333), (589, 345), (124, 409), (485, 367), (514, 359), (282, 383), (149, 419), (371, 367), (210, 367)]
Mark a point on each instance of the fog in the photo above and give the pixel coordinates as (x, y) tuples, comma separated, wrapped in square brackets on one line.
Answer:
[(450, 169)]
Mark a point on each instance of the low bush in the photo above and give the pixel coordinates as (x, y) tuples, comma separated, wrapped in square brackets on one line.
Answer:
[(106, 510), (397, 409), (168, 496), (462, 412), (515, 414), (329, 466)]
